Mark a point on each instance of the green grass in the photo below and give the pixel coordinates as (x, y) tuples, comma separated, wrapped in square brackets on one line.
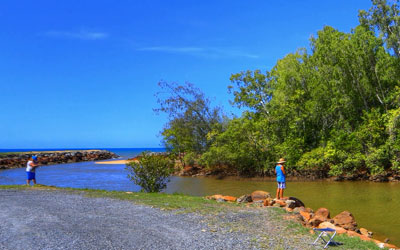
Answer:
[(355, 243), (184, 203)]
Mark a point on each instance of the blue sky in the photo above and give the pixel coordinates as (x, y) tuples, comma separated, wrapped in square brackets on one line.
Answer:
[(84, 73)]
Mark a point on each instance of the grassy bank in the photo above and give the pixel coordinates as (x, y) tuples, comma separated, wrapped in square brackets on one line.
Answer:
[(191, 204)]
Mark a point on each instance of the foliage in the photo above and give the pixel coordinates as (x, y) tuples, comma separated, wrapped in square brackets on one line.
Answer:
[(385, 18), (151, 172), (334, 107), (191, 118)]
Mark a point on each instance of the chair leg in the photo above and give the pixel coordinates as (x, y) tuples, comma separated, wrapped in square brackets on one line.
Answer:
[(319, 236), (330, 239)]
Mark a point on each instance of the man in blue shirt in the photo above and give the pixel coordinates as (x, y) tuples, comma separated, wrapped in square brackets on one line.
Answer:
[(280, 178)]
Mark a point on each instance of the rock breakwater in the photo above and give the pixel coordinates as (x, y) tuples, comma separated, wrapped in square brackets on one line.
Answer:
[(17, 160)]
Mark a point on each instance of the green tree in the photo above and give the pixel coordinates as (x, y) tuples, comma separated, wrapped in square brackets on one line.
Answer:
[(191, 118), (151, 172), (384, 18)]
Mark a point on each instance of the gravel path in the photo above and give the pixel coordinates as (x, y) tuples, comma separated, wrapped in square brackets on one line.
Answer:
[(40, 219)]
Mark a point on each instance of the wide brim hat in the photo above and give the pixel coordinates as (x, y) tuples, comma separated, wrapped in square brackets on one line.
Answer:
[(281, 160)]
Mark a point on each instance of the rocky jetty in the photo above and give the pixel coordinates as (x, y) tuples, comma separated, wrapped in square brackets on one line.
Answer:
[(343, 223), (17, 160)]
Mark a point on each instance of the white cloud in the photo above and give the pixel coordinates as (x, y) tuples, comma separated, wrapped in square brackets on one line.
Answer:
[(198, 51), (81, 35)]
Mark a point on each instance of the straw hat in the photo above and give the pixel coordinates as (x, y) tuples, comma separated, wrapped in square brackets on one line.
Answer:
[(281, 160)]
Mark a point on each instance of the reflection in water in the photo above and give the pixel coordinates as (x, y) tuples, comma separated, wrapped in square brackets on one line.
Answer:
[(374, 205)]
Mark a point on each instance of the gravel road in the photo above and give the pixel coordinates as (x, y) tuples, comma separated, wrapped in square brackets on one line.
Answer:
[(42, 219)]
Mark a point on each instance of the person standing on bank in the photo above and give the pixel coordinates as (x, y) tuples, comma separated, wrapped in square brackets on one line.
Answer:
[(280, 178), (30, 170)]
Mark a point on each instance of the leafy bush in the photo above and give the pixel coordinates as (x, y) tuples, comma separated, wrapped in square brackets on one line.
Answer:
[(151, 172)]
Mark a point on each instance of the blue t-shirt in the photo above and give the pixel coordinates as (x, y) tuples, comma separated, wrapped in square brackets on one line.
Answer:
[(280, 177)]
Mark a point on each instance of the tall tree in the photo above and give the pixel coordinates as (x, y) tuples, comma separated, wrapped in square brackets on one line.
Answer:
[(191, 118), (384, 17)]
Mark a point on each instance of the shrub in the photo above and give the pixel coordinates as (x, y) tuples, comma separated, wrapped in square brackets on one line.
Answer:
[(151, 172)]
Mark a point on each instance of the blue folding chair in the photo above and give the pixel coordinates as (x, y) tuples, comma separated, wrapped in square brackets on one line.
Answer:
[(325, 232)]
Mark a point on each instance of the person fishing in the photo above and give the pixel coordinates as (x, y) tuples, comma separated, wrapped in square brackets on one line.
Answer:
[(280, 178), (31, 166)]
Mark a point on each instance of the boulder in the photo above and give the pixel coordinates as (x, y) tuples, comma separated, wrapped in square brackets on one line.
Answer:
[(306, 215), (215, 197), (321, 215), (244, 198), (309, 210), (229, 198), (290, 204), (267, 202), (327, 224), (365, 232), (221, 198), (260, 195), (280, 202), (355, 234), (346, 220), (298, 209), (298, 203)]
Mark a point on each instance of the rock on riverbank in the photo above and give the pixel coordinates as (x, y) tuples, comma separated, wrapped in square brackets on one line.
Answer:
[(17, 160), (343, 223)]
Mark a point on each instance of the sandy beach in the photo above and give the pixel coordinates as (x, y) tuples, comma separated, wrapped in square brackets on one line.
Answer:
[(113, 162)]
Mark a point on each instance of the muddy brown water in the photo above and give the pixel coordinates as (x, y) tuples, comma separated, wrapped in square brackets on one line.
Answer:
[(375, 206)]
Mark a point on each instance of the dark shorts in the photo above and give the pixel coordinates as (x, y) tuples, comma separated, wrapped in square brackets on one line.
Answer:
[(282, 185), (30, 175)]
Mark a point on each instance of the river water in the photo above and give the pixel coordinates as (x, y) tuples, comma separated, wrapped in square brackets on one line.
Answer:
[(375, 206)]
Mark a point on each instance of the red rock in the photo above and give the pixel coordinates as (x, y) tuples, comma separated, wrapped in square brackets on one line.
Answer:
[(365, 238), (309, 210), (323, 212), (267, 202), (306, 215), (353, 234), (365, 232), (229, 198), (281, 203), (321, 215), (215, 197), (346, 220), (298, 209), (326, 224), (260, 195), (339, 230)]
